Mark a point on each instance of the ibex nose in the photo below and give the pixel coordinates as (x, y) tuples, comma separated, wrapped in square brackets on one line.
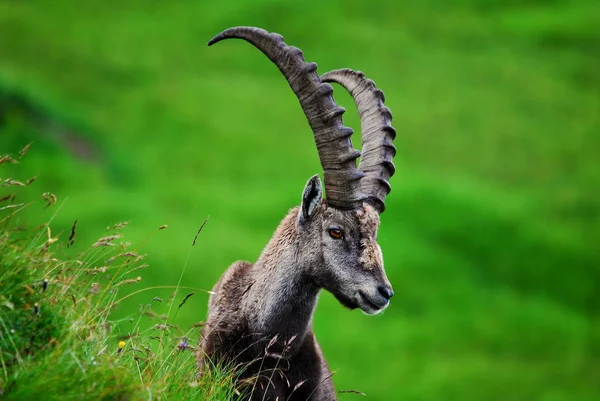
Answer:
[(386, 292)]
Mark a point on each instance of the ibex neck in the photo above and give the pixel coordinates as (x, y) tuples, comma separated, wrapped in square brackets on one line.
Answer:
[(283, 296)]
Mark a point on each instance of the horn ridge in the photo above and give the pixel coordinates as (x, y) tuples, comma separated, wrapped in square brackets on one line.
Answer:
[(377, 134), (337, 156)]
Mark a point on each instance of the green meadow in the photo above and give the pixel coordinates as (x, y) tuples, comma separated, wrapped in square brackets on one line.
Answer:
[(491, 237)]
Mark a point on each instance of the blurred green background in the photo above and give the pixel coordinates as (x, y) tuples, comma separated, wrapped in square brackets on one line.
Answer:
[(492, 229)]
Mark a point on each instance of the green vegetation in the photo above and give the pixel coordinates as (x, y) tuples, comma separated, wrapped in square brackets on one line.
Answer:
[(492, 228), (57, 340)]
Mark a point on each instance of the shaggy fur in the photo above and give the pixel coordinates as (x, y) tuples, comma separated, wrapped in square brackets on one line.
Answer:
[(368, 219), (260, 315)]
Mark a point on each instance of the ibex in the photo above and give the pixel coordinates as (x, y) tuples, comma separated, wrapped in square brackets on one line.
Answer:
[(260, 315)]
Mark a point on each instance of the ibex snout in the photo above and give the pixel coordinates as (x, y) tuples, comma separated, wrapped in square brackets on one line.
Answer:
[(386, 291), (375, 300)]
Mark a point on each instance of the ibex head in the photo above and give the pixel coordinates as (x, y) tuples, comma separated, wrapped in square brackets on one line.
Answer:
[(338, 234), (341, 251)]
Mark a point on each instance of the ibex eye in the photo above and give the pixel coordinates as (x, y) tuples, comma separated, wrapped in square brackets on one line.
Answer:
[(336, 233)]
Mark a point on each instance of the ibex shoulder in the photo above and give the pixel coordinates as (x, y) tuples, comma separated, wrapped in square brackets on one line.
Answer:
[(232, 285)]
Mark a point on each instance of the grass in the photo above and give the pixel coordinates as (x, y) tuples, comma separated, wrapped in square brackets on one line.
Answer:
[(57, 337), (491, 231)]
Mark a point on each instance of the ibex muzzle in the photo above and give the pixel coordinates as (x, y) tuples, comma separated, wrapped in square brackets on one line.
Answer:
[(260, 314)]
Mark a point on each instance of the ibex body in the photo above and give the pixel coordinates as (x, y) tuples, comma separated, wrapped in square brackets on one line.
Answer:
[(260, 315)]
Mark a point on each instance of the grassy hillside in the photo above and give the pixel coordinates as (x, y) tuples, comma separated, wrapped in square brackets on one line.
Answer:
[(58, 337), (492, 228)]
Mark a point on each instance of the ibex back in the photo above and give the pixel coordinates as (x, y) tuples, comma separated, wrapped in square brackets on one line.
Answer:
[(260, 315)]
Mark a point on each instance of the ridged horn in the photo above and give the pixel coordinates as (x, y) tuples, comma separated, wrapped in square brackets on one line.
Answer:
[(377, 134), (338, 157)]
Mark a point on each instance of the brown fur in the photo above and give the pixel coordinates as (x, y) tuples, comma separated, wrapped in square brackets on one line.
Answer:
[(369, 222), (260, 315)]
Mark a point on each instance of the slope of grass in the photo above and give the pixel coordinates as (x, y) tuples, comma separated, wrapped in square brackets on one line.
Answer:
[(57, 339), (492, 228)]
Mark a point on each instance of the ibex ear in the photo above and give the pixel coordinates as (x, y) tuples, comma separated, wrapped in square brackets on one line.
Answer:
[(311, 198)]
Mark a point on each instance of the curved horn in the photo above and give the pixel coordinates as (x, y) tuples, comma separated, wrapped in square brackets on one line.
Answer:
[(338, 157), (377, 134)]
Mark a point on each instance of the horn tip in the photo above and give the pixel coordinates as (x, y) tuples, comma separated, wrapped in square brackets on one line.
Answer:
[(334, 75), (220, 36), (213, 40), (238, 32)]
